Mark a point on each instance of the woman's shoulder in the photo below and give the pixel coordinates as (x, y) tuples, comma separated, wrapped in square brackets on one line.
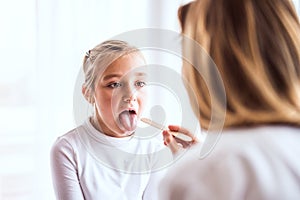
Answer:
[(240, 157), (263, 137)]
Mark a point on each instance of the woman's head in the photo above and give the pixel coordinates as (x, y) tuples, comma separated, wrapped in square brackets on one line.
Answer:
[(114, 84), (256, 47)]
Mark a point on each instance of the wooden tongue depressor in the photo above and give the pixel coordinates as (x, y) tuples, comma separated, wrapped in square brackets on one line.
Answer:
[(178, 135)]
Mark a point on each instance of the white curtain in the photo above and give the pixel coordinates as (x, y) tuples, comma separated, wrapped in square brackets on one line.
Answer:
[(42, 46)]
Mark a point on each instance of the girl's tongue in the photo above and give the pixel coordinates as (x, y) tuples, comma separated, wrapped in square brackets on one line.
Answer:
[(128, 120)]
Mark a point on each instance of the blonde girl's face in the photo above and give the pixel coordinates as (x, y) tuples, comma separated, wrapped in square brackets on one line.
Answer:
[(120, 95)]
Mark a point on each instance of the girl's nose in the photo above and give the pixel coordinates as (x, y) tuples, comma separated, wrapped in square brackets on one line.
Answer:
[(130, 98), (129, 94)]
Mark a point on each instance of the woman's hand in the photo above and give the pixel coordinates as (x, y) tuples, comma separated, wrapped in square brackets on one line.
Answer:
[(174, 143)]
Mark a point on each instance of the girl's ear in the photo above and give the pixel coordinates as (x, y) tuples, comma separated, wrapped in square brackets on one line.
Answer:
[(87, 94)]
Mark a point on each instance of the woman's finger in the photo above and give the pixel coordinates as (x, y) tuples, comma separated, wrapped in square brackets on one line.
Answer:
[(170, 141), (184, 131)]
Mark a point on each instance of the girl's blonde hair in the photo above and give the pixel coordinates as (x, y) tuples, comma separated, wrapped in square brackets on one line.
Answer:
[(255, 45), (99, 58)]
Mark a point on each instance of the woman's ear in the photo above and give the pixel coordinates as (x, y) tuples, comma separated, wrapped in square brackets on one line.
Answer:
[(87, 94)]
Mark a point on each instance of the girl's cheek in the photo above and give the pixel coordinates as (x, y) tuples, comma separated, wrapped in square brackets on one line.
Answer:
[(116, 101), (143, 91), (142, 102)]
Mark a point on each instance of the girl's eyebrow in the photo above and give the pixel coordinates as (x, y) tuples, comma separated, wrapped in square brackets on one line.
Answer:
[(109, 76), (140, 74)]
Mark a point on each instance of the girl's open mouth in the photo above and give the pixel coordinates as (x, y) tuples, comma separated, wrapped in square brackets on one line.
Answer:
[(128, 119)]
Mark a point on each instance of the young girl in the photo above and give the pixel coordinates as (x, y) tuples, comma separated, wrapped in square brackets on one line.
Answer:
[(102, 159)]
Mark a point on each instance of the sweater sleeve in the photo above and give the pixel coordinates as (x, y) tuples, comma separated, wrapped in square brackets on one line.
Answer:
[(64, 170)]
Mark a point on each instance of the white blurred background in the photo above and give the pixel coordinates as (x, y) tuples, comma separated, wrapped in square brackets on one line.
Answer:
[(42, 43)]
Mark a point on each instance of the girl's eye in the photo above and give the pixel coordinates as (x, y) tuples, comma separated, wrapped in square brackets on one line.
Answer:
[(114, 85), (140, 83)]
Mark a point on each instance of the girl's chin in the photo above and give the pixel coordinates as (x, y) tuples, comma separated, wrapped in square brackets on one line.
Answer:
[(123, 133), (127, 132)]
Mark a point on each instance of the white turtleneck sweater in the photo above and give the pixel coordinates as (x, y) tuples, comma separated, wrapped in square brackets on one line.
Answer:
[(87, 164)]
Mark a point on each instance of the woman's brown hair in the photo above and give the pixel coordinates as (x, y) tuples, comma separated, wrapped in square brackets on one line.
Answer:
[(255, 45)]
